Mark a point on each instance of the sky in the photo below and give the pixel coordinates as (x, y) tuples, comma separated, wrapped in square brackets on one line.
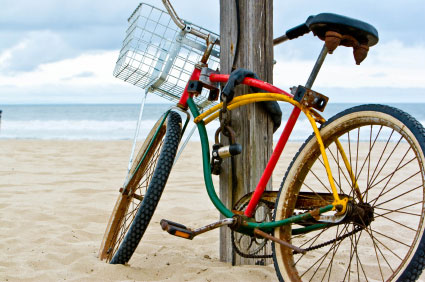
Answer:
[(65, 51)]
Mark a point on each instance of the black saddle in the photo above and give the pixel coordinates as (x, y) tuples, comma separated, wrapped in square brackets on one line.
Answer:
[(363, 32), (338, 30)]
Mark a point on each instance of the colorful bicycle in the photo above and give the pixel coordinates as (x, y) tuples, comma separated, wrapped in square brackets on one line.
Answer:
[(351, 205)]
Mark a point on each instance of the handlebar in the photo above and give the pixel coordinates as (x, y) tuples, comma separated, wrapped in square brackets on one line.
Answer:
[(173, 14), (180, 23)]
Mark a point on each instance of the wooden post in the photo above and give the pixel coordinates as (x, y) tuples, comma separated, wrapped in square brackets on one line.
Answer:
[(253, 127)]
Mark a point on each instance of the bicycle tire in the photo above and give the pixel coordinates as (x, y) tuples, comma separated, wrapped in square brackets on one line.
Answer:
[(133, 212), (392, 246)]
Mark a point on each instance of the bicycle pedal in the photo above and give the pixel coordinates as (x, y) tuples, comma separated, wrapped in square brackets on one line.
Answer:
[(177, 229), (182, 231)]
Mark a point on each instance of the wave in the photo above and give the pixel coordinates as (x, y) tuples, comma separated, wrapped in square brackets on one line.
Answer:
[(113, 129), (72, 129)]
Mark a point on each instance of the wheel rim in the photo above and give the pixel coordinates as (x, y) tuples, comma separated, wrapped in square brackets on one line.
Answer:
[(134, 203), (395, 190), (128, 205)]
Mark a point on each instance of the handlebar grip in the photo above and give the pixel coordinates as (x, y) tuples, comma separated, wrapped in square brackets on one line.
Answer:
[(297, 31)]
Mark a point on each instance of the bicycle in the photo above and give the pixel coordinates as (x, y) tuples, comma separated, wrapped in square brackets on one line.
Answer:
[(350, 198)]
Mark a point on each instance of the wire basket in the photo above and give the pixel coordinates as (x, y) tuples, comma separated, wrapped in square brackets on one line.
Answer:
[(158, 56)]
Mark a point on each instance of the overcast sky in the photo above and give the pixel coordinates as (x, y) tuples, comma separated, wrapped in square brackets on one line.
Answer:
[(65, 51)]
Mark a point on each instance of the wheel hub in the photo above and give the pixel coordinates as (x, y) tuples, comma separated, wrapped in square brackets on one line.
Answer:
[(361, 214)]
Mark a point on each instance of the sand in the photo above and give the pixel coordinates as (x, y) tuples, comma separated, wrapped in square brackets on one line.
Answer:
[(55, 201), (56, 198)]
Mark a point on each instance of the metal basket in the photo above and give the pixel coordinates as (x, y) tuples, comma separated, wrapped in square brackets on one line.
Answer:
[(158, 56)]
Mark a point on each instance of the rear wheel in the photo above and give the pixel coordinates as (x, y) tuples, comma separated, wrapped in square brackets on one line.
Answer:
[(135, 206), (385, 150)]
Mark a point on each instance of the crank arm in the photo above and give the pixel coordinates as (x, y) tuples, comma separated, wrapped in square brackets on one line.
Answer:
[(263, 234)]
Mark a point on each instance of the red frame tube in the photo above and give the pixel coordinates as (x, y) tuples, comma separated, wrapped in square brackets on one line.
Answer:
[(224, 78), (261, 186), (251, 82), (183, 99), (283, 139)]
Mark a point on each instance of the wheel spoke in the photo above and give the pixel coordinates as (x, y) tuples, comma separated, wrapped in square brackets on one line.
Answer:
[(369, 153), (323, 257), (385, 163), (380, 158), (341, 170), (396, 222), (384, 150), (391, 238), (318, 179), (399, 209), (391, 175), (357, 151), (142, 173), (400, 195), (388, 248)]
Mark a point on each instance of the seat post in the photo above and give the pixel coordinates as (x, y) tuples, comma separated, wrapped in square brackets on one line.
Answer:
[(317, 67)]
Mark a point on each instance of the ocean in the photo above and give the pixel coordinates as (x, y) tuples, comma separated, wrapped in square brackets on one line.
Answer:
[(118, 121)]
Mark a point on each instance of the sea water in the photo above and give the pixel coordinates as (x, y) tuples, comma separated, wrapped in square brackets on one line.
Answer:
[(118, 121)]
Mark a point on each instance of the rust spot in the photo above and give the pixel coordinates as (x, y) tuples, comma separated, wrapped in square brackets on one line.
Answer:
[(315, 214), (232, 47), (332, 40), (237, 212), (360, 53)]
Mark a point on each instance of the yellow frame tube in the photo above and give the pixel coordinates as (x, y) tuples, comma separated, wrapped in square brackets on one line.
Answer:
[(337, 200), (243, 100), (213, 113), (350, 170)]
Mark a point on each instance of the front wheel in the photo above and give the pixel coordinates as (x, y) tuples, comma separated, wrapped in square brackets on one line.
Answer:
[(138, 200), (385, 151)]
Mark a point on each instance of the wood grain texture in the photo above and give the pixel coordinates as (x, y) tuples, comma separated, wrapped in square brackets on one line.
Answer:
[(253, 127)]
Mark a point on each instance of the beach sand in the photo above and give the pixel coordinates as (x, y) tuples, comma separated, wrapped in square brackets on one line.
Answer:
[(55, 201)]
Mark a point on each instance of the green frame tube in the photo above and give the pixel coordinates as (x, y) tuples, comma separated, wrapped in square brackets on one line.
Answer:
[(206, 163), (269, 226), (265, 226)]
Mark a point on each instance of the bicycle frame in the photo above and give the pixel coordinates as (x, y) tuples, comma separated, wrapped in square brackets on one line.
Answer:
[(275, 94)]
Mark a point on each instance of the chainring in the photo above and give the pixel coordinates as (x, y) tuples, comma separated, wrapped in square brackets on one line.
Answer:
[(250, 246)]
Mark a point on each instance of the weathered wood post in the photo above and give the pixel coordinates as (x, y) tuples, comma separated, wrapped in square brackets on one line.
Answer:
[(253, 128)]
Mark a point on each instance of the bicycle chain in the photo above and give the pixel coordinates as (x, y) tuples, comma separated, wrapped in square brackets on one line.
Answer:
[(357, 229), (239, 252)]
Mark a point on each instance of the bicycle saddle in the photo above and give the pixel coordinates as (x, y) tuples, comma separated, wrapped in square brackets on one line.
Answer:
[(338, 30), (363, 32)]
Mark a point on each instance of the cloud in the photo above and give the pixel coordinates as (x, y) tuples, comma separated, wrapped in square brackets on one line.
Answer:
[(86, 78), (391, 64), (99, 65), (80, 75), (401, 20), (389, 70), (33, 49), (55, 51)]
